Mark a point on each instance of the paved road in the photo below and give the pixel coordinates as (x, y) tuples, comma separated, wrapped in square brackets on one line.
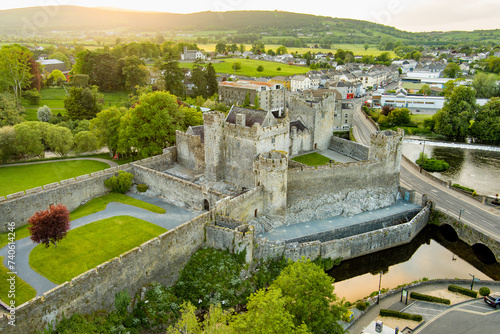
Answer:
[(483, 218), (109, 162), (174, 217)]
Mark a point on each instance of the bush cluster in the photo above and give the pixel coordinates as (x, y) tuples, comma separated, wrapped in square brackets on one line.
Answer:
[(427, 298), (484, 291), (121, 183), (463, 291), (401, 315), (456, 185), (361, 305), (431, 164)]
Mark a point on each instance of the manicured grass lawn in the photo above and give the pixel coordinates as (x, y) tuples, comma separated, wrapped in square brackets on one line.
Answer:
[(312, 159), (90, 245), (114, 98), (249, 67), (99, 204), (24, 291), (418, 118), (21, 232), (20, 178)]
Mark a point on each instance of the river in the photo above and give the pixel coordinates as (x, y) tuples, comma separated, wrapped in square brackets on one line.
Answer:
[(473, 166), (429, 255)]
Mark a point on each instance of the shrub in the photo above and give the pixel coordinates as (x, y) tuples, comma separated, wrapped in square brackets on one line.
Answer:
[(431, 164), (427, 298), (44, 114), (121, 183), (361, 305), (456, 185), (484, 291), (32, 96), (401, 315), (122, 300), (49, 226), (463, 291), (142, 188), (347, 316)]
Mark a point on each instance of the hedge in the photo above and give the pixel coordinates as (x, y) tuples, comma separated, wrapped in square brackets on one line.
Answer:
[(463, 291), (427, 298), (401, 315)]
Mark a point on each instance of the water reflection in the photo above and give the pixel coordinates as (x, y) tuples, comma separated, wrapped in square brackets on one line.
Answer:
[(474, 168), (428, 255)]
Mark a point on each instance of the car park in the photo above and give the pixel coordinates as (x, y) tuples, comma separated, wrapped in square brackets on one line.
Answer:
[(493, 299)]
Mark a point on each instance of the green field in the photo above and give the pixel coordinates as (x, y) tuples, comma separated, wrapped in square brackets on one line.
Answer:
[(88, 246), (249, 67), (20, 178), (23, 291), (418, 118), (312, 159), (100, 203)]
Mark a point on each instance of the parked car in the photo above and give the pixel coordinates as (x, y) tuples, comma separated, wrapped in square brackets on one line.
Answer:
[(493, 299)]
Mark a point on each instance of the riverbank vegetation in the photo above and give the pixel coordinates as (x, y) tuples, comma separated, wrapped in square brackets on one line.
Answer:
[(431, 164)]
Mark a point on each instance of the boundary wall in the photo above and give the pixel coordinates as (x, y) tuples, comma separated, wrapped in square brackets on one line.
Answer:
[(158, 260), (349, 148)]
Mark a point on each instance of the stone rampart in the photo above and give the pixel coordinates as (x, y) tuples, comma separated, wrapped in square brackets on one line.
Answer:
[(158, 260), (177, 189), (348, 247), (71, 193), (350, 148), (245, 207), (191, 151)]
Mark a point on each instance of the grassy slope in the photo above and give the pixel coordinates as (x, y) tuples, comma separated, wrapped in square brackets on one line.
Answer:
[(249, 67), (90, 245), (24, 291), (100, 203), (19, 178), (312, 159)]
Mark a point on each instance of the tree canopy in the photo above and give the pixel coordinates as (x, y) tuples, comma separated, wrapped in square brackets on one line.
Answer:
[(83, 103), (15, 69), (486, 125), (49, 226)]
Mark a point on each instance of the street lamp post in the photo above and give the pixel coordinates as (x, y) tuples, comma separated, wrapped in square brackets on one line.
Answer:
[(460, 214), (423, 159), (379, 283)]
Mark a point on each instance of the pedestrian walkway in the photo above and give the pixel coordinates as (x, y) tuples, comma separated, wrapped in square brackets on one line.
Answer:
[(174, 217)]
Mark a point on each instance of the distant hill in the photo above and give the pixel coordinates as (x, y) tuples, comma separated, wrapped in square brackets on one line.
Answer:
[(273, 23)]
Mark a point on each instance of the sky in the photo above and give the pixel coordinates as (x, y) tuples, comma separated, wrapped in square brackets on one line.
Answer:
[(414, 15)]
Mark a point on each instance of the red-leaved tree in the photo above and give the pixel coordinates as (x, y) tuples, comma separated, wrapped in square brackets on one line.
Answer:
[(49, 226)]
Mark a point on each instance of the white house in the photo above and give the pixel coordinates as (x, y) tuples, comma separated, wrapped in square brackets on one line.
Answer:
[(300, 82)]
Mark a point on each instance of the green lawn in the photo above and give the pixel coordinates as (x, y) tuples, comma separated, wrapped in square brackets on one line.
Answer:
[(312, 159), (21, 232), (24, 291), (88, 246), (249, 67), (20, 178), (418, 118), (100, 203)]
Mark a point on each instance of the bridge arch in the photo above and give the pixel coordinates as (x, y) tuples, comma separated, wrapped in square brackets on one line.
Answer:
[(448, 232), (484, 253)]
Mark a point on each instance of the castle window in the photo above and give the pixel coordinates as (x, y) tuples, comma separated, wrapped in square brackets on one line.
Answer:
[(273, 140)]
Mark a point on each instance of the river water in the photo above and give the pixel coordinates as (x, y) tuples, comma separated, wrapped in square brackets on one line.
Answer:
[(473, 166), (429, 255)]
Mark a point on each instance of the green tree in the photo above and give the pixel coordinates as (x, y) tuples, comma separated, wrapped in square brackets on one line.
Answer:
[(425, 90), (59, 139), (80, 80), (215, 321), (366, 46), (246, 102), (308, 294), (150, 126), (55, 78), (62, 57), (399, 116), (256, 102), (83, 103), (454, 118), (220, 47), (135, 72), (199, 79), (212, 84), (85, 141), (15, 69), (281, 50), (29, 140), (260, 68), (105, 126), (11, 111), (8, 143), (267, 314), (242, 48), (44, 114), (173, 77), (452, 70), (485, 85), (486, 125), (236, 66), (104, 69)]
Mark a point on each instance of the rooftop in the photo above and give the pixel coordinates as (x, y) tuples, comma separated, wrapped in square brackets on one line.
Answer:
[(252, 115), (246, 84)]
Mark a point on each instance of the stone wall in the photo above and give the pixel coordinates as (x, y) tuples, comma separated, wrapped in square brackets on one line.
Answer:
[(346, 248), (245, 207), (191, 151), (339, 189), (349, 148), (158, 260), (240, 239), (20, 207), (300, 141), (160, 162), (191, 194)]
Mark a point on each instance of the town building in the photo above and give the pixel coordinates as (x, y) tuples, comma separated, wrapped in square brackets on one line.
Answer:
[(192, 54), (271, 96)]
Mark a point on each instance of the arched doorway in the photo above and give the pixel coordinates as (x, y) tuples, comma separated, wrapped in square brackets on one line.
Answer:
[(206, 205), (255, 212)]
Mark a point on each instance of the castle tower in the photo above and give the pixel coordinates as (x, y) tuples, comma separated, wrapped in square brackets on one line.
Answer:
[(271, 172), (387, 146), (214, 141)]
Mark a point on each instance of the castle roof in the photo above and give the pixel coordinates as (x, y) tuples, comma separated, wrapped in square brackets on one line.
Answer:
[(252, 115), (298, 124), (198, 131)]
